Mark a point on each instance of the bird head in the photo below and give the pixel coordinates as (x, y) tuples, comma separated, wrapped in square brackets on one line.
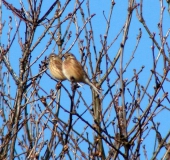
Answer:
[(53, 56), (69, 56)]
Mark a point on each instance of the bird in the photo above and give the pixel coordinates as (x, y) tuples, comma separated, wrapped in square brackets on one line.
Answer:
[(74, 72), (55, 67)]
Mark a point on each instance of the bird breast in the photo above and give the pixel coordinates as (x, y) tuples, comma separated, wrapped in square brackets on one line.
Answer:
[(56, 70), (73, 70)]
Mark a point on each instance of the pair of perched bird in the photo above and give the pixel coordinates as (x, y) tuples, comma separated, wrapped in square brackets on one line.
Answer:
[(70, 69)]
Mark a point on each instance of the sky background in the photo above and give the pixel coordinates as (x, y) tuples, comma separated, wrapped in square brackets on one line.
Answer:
[(142, 57)]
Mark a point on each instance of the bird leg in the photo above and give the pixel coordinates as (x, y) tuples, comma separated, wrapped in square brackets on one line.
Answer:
[(58, 85), (73, 84)]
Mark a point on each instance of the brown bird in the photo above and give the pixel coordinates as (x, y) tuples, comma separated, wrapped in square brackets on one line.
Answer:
[(74, 72), (55, 66)]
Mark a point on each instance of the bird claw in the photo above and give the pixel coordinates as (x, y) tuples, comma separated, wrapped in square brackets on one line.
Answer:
[(74, 86)]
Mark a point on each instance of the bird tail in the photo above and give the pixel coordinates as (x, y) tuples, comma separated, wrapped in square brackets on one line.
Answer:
[(95, 88)]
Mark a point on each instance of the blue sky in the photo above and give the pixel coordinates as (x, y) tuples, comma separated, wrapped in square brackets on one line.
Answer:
[(143, 55)]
